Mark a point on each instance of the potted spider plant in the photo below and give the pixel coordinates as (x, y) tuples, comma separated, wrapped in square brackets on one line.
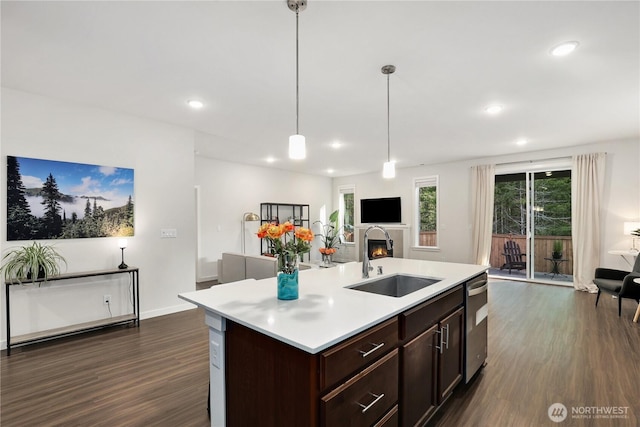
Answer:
[(31, 263)]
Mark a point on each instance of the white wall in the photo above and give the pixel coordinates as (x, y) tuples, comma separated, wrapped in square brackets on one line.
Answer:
[(622, 198), (163, 162), (227, 190)]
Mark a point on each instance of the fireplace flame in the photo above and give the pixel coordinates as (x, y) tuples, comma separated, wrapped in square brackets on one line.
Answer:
[(379, 252)]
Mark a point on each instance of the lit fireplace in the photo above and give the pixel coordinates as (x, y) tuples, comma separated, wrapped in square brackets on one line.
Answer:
[(378, 249)]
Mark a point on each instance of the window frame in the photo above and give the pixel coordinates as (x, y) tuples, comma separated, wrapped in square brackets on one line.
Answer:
[(420, 182), (342, 190)]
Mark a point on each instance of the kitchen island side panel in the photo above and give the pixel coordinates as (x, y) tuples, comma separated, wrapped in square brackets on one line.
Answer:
[(269, 383)]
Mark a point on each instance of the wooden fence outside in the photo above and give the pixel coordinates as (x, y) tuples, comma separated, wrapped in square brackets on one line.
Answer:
[(428, 238), (543, 249)]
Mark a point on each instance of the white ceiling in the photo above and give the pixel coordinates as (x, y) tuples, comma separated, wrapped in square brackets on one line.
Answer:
[(453, 58)]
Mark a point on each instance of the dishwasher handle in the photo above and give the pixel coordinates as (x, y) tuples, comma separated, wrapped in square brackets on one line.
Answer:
[(478, 288)]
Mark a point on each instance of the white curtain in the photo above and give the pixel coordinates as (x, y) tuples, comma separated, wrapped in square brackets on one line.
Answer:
[(587, 187), (482, 188)]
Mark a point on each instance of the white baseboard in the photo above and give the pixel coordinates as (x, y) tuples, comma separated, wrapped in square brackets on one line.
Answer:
[(144, 315), (166, 310)]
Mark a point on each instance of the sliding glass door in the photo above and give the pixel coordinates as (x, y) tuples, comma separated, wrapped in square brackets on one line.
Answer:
[(551, 226), (532, 226)]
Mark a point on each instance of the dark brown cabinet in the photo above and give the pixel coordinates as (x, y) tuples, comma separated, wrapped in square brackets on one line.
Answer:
[(270, 383), (450, 357), (418, 378), (398, 372), (353, 354), (431, 362), (365, 397)]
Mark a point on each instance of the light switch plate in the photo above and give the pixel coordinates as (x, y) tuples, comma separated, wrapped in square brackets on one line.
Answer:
[(168, 233)]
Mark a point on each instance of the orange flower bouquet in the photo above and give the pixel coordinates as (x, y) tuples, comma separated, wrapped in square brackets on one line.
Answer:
[(287, 242)]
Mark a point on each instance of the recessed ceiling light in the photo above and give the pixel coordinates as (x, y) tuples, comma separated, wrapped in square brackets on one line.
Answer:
[(336, 144), (270, 159), (564, 49), (194, 103), (493, 109), (330, 171), (521, 141)]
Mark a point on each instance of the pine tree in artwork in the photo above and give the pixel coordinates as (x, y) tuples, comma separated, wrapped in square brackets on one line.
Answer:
[(19, 218), (51, 220), (87, 210), (129, 212)]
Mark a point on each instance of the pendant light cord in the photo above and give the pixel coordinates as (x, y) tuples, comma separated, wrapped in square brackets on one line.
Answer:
[(297, 73), (388, 133)]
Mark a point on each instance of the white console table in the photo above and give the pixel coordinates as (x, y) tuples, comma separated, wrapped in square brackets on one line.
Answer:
[(624, 254), (133, 318)]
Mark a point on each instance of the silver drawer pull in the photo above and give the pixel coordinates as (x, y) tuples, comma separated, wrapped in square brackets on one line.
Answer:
[(376, 347), (365, 408), (447, 342)]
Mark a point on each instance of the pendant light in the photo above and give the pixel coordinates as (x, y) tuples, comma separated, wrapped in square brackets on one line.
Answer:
[(389, 167), (297, 145)]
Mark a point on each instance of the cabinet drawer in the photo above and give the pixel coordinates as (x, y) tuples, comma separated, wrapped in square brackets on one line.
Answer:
[(344, 359), (365, 397), (418, 319), (390, 419)]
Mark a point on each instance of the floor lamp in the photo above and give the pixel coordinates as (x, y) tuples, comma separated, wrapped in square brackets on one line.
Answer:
[(247, 216)]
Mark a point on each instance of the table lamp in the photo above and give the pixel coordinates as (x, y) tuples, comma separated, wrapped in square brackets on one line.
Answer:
[(629, 228), (122, 244)]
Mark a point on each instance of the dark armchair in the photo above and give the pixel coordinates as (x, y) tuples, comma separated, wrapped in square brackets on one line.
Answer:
[(619, 283), (513, 258)]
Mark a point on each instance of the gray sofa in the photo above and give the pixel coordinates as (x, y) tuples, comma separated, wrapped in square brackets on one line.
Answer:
[(235, 266)]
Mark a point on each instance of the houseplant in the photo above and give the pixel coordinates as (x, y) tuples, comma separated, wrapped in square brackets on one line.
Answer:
[(330, 237), (287, 243), (557, 249), (32, 262)]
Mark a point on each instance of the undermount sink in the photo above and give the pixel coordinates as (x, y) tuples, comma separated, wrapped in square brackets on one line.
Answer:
[(396, 286)]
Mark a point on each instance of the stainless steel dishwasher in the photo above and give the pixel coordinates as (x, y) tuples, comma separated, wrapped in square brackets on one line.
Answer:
[(477, 311)]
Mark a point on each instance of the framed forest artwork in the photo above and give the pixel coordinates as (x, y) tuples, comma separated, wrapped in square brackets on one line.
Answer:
[(49, 199)]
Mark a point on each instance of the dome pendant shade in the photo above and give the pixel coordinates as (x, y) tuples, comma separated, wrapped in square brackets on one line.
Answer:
[(297, 147), (389, 170)]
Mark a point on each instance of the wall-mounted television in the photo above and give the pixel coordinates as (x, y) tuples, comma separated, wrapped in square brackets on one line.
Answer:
[(382, 210)]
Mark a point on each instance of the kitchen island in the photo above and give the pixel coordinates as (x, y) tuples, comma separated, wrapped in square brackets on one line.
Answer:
[(296, 362)]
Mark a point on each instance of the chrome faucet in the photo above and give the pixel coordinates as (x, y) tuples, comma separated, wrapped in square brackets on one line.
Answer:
[(366, 264)]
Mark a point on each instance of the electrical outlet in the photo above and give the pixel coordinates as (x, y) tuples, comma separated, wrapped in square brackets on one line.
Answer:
[(214, 351), (106, 299)]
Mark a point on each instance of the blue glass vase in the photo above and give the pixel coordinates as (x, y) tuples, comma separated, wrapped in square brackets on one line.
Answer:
[(288, 285)]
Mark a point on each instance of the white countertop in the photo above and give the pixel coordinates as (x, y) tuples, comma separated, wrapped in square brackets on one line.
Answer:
[(326, 312)]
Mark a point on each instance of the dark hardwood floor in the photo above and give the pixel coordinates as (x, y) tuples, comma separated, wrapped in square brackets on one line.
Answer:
[(155, 375), (547, 344)]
